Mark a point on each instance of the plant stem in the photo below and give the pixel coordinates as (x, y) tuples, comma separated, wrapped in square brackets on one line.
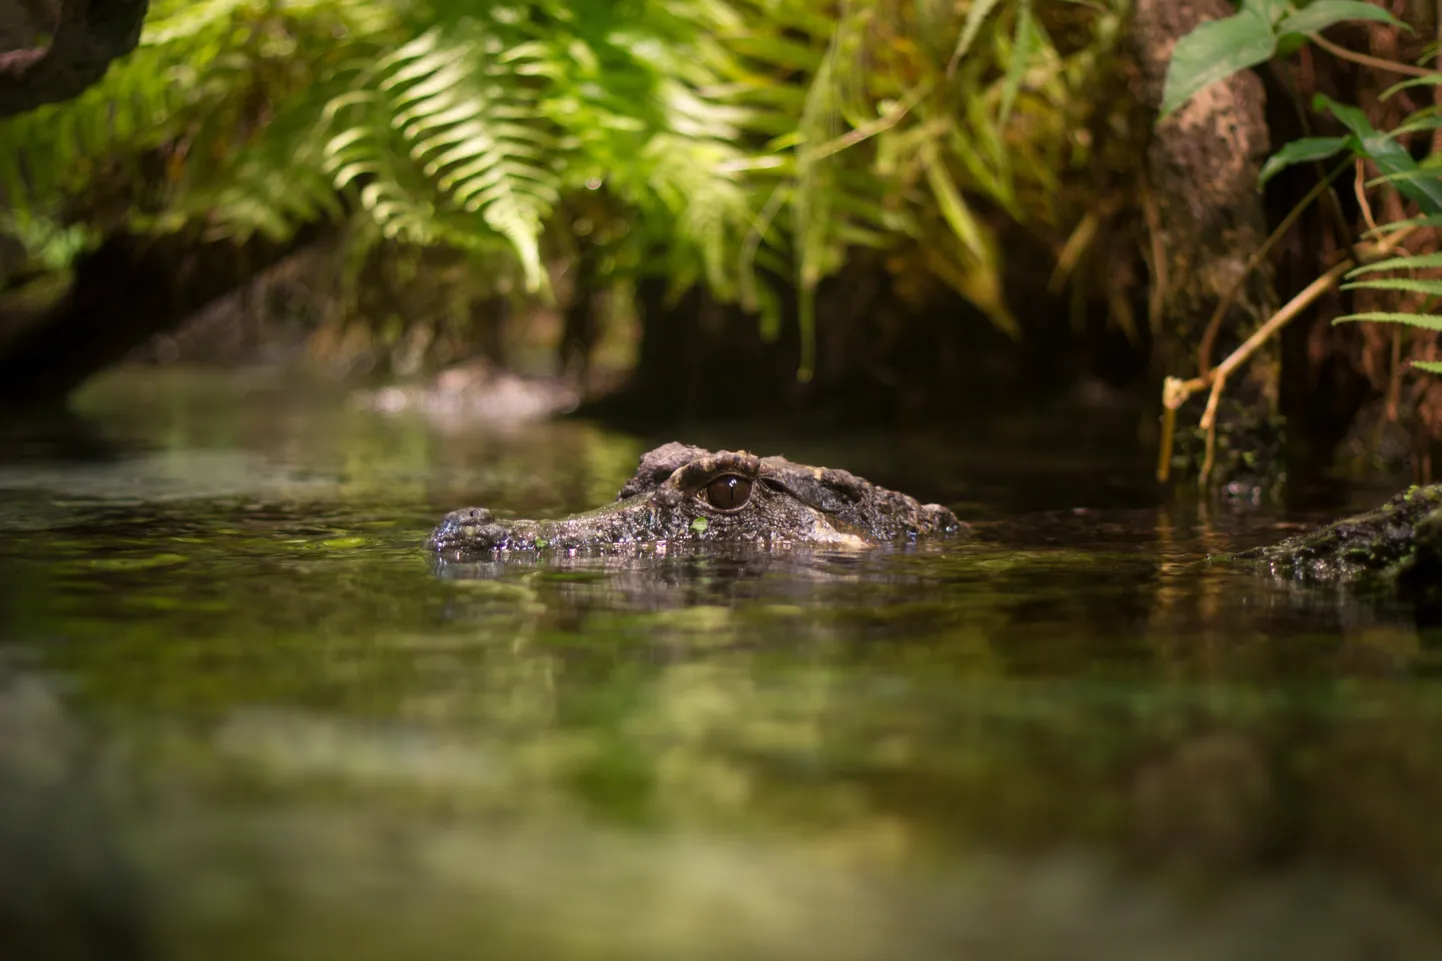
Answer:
[(1275, 323), (1368, 61), (1176, 392), (1214, 326)]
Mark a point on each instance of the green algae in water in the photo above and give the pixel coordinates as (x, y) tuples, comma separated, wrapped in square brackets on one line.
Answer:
[(137, 563), (1008, 747)]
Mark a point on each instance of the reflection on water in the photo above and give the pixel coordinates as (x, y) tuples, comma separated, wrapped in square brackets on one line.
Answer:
[(243, 715)]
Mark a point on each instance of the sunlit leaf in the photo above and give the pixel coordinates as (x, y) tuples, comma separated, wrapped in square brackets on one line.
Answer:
[(1410, 261), (1398, 283), (1424, 321)]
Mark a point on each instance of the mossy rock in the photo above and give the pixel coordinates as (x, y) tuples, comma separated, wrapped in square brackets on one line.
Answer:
[(1398, 545)]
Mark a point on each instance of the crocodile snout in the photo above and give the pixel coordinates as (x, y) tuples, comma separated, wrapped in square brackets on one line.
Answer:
[(473, 528)]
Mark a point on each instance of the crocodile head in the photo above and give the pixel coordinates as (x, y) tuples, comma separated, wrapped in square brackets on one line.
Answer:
[(685, 494)]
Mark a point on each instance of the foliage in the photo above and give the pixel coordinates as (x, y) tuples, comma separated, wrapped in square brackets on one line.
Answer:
[(737, 143), (1258, 31), (1219, 48)]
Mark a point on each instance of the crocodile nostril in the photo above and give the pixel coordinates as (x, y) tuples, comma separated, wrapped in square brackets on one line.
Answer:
[(477, 515)]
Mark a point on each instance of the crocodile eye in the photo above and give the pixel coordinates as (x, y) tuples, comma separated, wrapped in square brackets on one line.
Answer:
[(728, 492)]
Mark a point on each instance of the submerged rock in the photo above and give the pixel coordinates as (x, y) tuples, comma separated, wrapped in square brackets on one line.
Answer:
[(1397, 545), (476, 392)]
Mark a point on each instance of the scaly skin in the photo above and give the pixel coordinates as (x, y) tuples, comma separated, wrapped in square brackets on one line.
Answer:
[(668, 501)]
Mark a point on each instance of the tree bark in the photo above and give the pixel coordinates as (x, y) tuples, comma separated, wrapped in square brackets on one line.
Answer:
[(88, 35), (126, 291), (1207, 219)]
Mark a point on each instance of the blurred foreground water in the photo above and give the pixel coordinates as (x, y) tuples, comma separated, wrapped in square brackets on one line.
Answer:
[(244, 716)]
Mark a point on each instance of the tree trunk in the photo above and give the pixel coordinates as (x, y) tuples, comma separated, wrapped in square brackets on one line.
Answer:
[(126, 291), (1206, 218), (87, 36)]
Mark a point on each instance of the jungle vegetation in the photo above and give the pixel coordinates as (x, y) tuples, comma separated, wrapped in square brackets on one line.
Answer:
[(707, 140), (537, 152), (1389, 142)]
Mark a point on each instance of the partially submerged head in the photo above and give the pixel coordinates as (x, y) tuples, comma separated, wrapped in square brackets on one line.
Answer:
[(684, 493)]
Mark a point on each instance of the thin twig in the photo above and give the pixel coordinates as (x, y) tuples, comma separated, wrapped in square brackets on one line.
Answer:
[(1260, 336), (1164, 449), (1359, 187), (1332, 203), (1214, 325), (1176, 392), (1278, 320), (1209, 424), (1369, 61)]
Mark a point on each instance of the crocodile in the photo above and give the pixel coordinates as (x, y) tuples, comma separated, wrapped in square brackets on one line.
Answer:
[(684, 494)]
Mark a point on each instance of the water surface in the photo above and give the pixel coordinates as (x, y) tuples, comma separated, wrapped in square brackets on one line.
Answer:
[(243, 715)]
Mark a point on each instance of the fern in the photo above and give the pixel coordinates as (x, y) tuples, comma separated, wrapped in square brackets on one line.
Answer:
[(57, 150), (709, 138), (1430, 288), (438, 147)]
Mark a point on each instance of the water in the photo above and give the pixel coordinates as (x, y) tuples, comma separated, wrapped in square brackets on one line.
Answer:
[(242, 715)]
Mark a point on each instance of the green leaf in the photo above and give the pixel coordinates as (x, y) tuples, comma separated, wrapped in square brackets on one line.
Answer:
[(1324, 13), (1409, 262), (1300, 151), (1431, 80), (975, 16), (1214, 51), (1425, 321), (1431, 220), (953, 207), (1389, 156), (1352, 117), (784, 53), (1272, 10), (1024, 43), (1430, 366), (1412, 126), (700, 524), (1407, 284), (1405, 176)]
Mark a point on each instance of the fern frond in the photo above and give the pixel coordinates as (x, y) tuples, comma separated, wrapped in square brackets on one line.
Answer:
[(1432, 287), (1404, 262), (440, 137), (1423, 321)]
